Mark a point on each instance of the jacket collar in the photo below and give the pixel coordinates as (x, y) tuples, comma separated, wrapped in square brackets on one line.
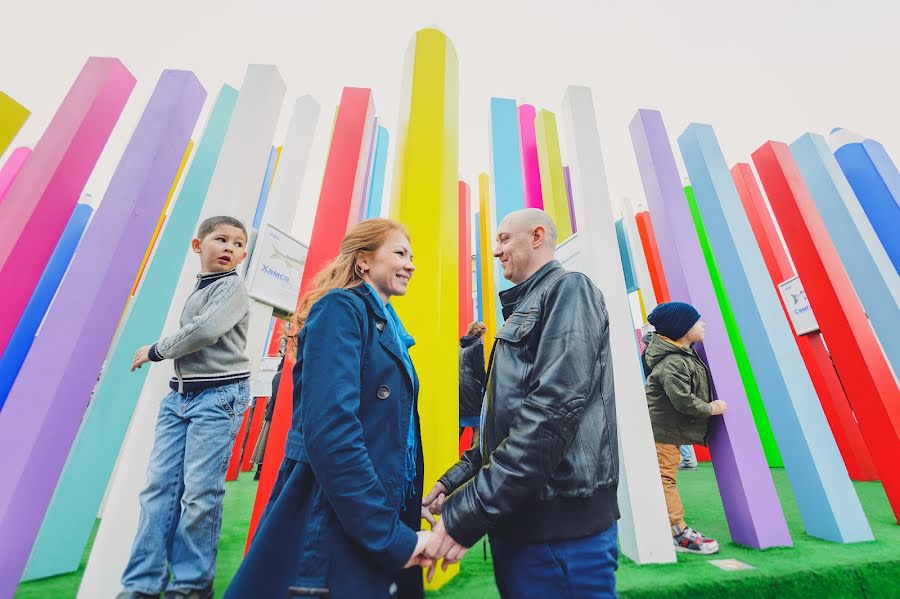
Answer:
[(383, 314), (212, 276), (511, 298)]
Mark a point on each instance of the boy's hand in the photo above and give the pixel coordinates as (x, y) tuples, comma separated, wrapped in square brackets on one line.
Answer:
[(141, 357), (718, 407)]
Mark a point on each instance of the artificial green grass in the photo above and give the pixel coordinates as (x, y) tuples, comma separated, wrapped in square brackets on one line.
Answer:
[(812, 567)]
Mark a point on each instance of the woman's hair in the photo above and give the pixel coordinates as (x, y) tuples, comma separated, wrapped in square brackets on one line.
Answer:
[(477, 329), (341, 273)]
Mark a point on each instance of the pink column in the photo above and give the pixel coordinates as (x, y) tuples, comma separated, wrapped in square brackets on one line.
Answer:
[(11, 169), (531, 170), (43, 196)]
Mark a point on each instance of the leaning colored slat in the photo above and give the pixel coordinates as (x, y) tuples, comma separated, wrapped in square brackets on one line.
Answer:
[(12, 116), (11, 169), (531, 166), (870, 384), (876, 182), (506, 161), (73, 510), (465, 257), (625, 252), (425, 198), (162, 216), (815, 355), (745, 484), (23, 337), (641, 272), (479, 290), (41, 199), (825, 496), (651, 253), (233, 189), (488, 282), (335, 213), (266, 184), (47, 401), (571, 201), (757, 406), (864, 258), (553, 182), (644, 532), (379, 165)]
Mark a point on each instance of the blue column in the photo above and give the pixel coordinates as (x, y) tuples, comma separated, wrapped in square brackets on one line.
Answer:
[(376, 186)]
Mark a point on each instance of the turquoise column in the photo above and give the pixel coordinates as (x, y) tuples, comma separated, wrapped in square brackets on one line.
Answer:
[(627, 264), (376, 182), (70, 517), (825, 496)]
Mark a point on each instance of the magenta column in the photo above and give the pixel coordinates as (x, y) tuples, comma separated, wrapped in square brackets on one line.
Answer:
[(531, 168), (41, 199)]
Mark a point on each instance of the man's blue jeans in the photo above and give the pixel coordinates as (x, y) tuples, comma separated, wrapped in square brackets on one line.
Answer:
[(577, 569), (181, 506)]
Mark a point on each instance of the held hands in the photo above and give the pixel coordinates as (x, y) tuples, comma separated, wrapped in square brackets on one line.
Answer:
[(418, 558), (434, 502), (442, 546), (141, 357), (718, 407)]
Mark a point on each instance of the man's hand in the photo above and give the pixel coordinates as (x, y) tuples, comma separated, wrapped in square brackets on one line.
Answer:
[(141, 357), (434, 501), (718, 407), (442, 546), (417, 558)]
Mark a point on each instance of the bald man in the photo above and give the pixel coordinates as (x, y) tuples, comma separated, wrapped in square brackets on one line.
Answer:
[(541, 482)]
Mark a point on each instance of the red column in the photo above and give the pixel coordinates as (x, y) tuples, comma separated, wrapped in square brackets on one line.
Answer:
[(660, 286), (235, 461), (465, 258), (812, 348), (870, 384), (340, 191), (259, 407)]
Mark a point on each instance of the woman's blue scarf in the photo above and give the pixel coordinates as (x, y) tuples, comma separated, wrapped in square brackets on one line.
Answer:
[(404, 342)]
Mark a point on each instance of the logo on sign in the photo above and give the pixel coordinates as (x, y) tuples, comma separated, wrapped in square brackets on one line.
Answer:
[(274, 273)]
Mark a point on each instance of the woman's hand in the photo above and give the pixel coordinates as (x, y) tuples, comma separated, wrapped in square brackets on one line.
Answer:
[(417, 558)]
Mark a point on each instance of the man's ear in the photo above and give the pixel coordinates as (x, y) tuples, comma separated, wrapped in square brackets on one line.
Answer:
[(538, 236), (195, 245)]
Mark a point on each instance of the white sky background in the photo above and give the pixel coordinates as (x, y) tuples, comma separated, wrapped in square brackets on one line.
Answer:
[(768, 69)]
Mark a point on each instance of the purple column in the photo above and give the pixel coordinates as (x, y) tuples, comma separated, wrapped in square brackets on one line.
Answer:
[(754, 514), (568, 179), (47, 401)]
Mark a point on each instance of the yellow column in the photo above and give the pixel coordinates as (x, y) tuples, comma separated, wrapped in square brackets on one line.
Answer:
[(12, 116), (488, 285), (424, 198), (553, 183), (162, 215)]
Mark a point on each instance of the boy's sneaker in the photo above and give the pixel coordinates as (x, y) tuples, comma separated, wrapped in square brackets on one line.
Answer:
[(691, 541), (206, 593), (136, 595), (685, 465)]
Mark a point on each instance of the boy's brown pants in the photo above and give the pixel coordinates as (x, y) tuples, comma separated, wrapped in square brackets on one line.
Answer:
[(668, 457)]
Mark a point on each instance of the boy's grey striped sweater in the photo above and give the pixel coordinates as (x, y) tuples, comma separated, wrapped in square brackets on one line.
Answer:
[(210, 347)]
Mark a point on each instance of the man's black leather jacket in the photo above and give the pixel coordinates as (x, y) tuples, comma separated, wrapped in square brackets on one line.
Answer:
[(546, 467)]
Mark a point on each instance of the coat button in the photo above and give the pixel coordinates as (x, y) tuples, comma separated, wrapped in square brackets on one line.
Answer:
[(379, 325), (384, 392)]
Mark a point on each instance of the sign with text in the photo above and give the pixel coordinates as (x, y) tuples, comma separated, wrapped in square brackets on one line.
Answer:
[(798, 307), (276, 269)]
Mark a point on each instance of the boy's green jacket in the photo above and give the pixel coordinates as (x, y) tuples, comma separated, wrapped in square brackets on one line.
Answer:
[(678, 393)]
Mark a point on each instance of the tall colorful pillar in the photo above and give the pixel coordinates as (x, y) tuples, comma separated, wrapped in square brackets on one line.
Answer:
[(748, 493), (426, 198), (871, 386), (553, 182), (531, 165), (379, 165), (12, 116), (488, 270), (827, 500), (644, 533), (815, 355), (465, 257), (11, 169), (875, 181)]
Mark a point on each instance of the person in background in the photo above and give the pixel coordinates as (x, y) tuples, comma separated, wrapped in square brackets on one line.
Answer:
[(679, 399), (471, 378)]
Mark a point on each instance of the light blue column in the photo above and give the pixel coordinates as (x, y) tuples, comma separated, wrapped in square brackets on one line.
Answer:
[(876, 182), (825, 496), (30, 321), (867, 264), (627, 265), (70, 517), (479, 290), (267, 184), (376, 186)]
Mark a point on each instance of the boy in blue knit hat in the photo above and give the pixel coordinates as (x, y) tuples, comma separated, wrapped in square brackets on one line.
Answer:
[(679, 398)]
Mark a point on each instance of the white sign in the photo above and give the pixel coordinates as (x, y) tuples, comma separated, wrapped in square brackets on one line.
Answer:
[(798, 307), (276, 269), (261, 381)]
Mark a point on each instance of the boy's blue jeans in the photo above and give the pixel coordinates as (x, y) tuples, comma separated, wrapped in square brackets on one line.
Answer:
[(181, 506), (581, 568), (688, 457)]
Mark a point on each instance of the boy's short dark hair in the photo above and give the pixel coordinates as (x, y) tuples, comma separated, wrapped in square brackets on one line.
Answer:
[(210, 224)]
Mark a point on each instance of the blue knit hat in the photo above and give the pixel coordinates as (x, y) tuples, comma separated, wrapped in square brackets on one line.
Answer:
[(673, 319)]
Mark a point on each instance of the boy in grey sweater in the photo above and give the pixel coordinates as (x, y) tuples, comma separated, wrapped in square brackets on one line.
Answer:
[(181, 505)]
